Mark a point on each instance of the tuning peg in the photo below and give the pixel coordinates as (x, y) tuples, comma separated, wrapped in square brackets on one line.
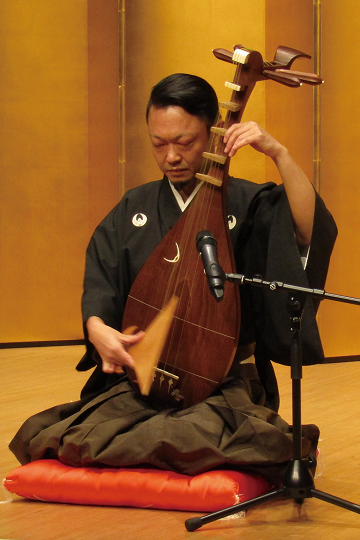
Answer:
[(283, 78), (223, 54), (307, 78)]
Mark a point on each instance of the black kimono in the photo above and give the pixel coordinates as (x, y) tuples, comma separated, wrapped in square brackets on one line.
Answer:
[(238, 424)]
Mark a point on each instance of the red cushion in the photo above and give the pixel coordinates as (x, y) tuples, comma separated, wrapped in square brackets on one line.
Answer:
[(50, 480)]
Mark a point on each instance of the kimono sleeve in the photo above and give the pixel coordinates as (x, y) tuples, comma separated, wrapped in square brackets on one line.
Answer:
[(283, 264), (105, 282)]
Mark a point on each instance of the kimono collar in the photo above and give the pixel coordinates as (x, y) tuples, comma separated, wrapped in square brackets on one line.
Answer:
[(183, 205)]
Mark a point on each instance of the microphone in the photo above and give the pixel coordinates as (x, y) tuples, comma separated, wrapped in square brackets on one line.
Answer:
[(207, 247)]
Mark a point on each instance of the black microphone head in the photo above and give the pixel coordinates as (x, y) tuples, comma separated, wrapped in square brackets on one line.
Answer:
[(204, 237), (207, 247)]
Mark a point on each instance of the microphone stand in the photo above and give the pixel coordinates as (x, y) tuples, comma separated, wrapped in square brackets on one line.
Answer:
[(298, 482)]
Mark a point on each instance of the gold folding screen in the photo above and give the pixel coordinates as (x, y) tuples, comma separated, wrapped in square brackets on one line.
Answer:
[(340, 185), (59, 157), (70, 147), (44, 167)]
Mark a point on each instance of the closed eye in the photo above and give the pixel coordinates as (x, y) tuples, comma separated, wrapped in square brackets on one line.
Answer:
[(186, 143)]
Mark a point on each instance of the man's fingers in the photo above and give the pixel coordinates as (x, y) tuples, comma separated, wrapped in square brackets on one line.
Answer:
[(132, 338), (112, 368)]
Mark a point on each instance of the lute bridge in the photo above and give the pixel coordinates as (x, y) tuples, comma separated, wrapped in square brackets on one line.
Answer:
[(165, 386)]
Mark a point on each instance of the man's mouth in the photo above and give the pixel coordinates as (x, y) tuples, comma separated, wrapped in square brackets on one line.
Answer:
[(176, 171)]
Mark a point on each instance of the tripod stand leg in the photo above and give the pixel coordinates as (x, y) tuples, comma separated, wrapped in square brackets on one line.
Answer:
[(195, 523), (335, 500), (298, 482)]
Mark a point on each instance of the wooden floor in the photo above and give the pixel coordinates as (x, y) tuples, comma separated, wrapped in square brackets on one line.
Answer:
[(34, 379)]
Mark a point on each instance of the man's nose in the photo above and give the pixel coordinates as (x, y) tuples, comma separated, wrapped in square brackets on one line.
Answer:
[(173, 155)]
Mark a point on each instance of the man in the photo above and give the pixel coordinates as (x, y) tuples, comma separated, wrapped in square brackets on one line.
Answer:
[(113, 425)]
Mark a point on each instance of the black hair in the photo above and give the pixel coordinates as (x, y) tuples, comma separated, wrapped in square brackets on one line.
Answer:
[(195, 95)]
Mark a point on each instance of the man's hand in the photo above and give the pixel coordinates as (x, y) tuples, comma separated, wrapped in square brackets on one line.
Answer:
[(239, 135), (111, 345)]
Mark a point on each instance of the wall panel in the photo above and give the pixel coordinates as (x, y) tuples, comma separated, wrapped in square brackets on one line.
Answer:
[(43, 153), (289, 111), (340, 186), (58, 155), (103, 94)]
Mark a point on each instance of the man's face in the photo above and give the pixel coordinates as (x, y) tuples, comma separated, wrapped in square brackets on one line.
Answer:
[(178, 140)]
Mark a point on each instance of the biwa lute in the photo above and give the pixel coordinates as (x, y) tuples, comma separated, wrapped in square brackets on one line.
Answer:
[(191, 337)]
